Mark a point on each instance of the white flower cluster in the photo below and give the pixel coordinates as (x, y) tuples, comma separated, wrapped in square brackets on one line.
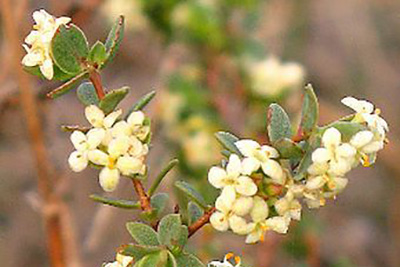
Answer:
[(239, 200), (270, 77), (242, 199), (226, 262), (118, 146), (334, 159), (121, 261), (39, 40)]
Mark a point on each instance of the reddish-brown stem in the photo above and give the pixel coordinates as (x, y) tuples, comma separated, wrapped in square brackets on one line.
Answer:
[(143, 197), (29, 107), (95, 78), (203, 220)]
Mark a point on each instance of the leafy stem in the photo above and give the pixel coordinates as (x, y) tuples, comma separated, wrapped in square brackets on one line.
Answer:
[(95, 78), (203, 220)]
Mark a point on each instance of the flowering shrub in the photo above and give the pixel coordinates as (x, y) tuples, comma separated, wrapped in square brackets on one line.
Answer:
[(262, 187)]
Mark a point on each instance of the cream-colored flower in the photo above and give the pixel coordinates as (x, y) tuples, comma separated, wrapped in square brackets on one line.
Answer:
[(259, 214), (98, 119), (225, 217), (226, 262), (38, 42), (270, 77), (257, 156), (231, 177), (365, 113), (136, 122), (83, 143), (121, 261), (289, 206)]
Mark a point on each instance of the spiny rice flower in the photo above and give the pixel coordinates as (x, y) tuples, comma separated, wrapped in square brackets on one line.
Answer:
[(260, 224), (121, 261), (115, 146), (331, 162), (270, 77), (226, 262), (232, 177), (257, 156), (39, 40), (230, 207), (369, 142)]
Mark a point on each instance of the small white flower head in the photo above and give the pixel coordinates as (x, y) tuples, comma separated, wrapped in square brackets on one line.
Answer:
[(279, 224), (220, 219), (39, 40), (109, 179), (231, 177), (98, 119), (78, 160), (226, 262), (136, 122), (121, 261), (270, 77), (289, 206), (257, 156), (258, 214), (365, 113)]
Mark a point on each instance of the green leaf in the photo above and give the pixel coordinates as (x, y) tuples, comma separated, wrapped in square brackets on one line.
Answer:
[(68, 86), (278, 124), (112, 99), (191, 193), (227, 140), (119, 203), (69, 49), (98, 54), (159, 202), (346, 128), (138, 251), (169, 230), (158, 259), (288, 149), (87, 94), (142, 102), (162, 175), (309, 113), (143, 234), (194, 212), (188, 260), (114, 38)]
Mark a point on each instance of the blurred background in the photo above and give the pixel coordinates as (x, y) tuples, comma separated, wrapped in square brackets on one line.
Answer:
[(215, 65)]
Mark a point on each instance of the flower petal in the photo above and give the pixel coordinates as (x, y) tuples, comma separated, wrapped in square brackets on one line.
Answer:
[(94, 137), (238, 225), (331, 137), (219, 221), (136, 118), (98, 157), (79, 140), (250, 165), (247, 147), (216, 177), (246, 186), (94, 115), (78, 161), (242, 205), (274, 170), (234, 165), (109, 179), (260, 210), (110, 119), (129, 165)]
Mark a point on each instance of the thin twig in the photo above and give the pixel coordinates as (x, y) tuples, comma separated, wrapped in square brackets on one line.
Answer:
[(143, 197), (95, 78), (203, 220), (52, 223)]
